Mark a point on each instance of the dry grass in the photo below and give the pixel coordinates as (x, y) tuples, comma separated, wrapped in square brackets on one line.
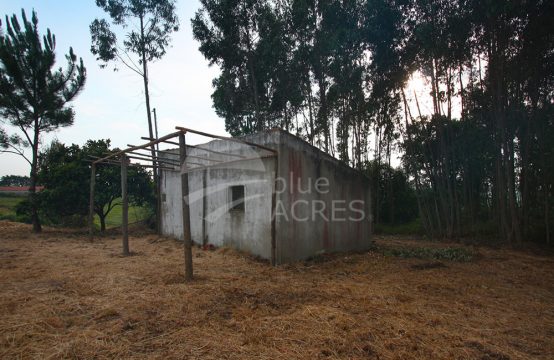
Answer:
[(62, 297)]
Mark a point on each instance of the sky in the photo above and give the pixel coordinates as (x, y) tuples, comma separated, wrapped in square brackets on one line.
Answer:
[(112, 103)]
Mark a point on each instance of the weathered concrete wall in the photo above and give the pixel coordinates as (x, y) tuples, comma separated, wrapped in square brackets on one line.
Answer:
[(247, 230), (319, 219), (310, 219)]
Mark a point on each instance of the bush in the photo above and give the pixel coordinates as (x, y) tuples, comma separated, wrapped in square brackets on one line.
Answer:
[(23, 211), (451, 254), (9, 217)]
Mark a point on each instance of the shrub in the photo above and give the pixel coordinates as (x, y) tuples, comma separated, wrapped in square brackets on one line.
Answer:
[(451, 253)]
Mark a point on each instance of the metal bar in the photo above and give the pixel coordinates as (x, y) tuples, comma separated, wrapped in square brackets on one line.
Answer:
[(226, 138), (165, 141), (91, 201), (108, 162), (163, 138), (160, 151), (150, 167), (113, 162), (124, 206), (167, 162), (99, 158), (147, 155), (186, 210)]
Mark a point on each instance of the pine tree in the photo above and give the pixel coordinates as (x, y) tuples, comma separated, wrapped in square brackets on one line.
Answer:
[(33, 97)]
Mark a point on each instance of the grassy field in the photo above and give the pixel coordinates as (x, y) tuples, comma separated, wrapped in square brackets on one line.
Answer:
[(113, 219), (8, 203), (136, 213), (65, 297)]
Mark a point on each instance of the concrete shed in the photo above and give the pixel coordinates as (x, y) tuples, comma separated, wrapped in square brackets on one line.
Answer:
[(319, 204)]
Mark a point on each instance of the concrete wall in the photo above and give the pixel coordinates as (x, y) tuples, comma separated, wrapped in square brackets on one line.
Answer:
[(315, 221), (247, 230), (304, 222)]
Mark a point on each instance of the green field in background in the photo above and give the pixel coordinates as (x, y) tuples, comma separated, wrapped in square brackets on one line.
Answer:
[(8, 203), (136, 213)]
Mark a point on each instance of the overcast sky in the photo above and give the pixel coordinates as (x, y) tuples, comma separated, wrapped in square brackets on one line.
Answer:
[(112, 103)]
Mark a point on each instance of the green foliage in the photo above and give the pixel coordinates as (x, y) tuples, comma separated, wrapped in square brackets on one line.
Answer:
[(450, 254), (393, 198), (304, 66), (148, 25), (29, 90), (349, 62), (14, 180), (413, 227), (8, 203), (157, 20), (23, 211), (246, 40), (136, 213), (33, 96), (65, 173)]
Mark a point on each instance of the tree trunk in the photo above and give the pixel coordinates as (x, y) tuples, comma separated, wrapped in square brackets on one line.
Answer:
[(260, 123), (434, 89), (150, 129), (310, 112), (546, 216), (102, 218), (37, 228), (323, 110)]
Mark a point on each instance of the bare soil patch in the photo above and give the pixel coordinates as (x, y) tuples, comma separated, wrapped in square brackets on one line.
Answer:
[(63, 297)]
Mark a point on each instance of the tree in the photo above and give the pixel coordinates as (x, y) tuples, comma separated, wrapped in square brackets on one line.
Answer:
[(33, 97), (337, 72), (248, 41), (398, 204), (65, 173), (148, 38), (14, 180)]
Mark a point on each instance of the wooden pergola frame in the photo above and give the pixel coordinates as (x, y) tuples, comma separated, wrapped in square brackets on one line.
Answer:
[(122, 158)]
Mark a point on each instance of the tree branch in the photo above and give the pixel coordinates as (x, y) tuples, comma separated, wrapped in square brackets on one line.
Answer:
[(137, 68), (129, 66), (16, 151), (27, 136)]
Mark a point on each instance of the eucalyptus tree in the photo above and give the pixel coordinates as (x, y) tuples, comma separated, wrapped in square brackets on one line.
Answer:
[(346, 66), (34, 96), (248, 40), (148, 26)]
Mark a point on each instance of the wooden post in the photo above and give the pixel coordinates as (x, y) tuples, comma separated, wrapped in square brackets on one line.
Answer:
[(91, 202), (185, 205), (124, 205), (159, 202), (158, 182), (273, 209), (204, 206)]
